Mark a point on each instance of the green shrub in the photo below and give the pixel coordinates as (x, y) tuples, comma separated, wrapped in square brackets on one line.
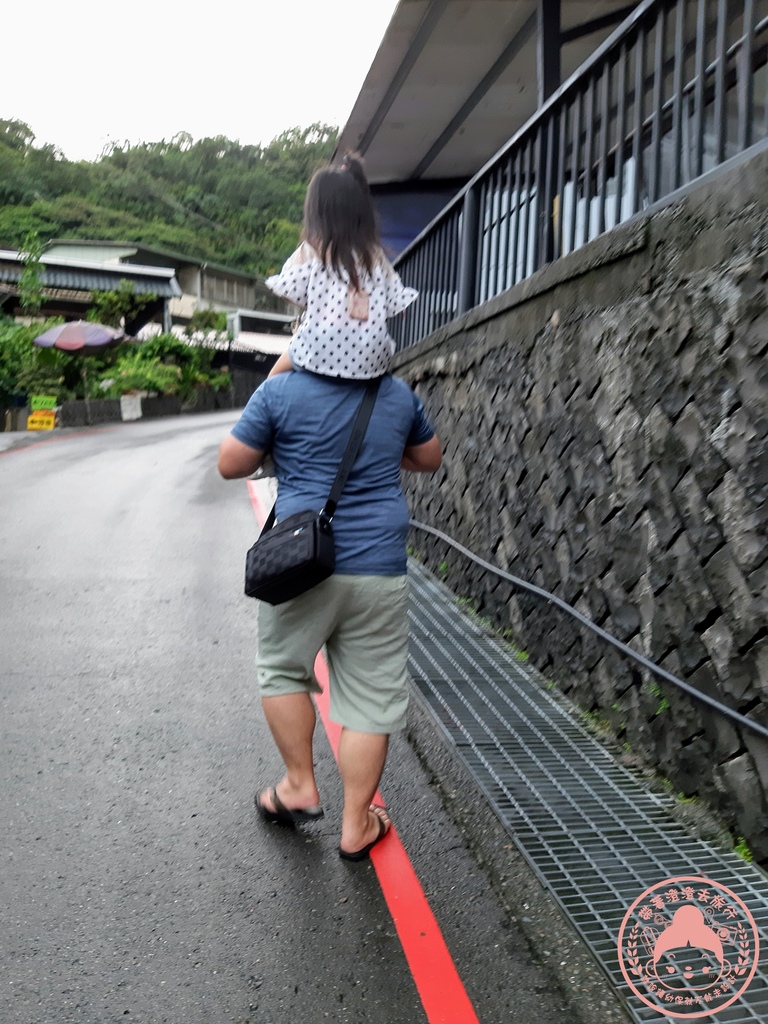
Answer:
[(26, 369), (165, 364), (135, 371)]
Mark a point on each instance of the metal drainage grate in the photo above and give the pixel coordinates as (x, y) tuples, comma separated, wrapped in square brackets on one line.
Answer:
[(595, 837)]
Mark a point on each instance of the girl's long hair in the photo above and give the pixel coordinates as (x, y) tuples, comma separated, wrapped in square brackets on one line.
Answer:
[(340, 221)]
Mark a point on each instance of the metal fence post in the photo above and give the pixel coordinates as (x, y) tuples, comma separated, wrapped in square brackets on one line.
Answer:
[(468, 252)]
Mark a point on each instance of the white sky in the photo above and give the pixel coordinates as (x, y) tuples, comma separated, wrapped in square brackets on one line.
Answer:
[(83, 73)]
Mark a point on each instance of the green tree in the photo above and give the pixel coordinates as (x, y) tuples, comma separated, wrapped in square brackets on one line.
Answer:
[(16, 135), (119, 306), (279, 240), (212, 199), (206, 320), (31, 292)]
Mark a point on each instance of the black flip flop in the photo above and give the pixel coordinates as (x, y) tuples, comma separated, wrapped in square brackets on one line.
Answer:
[(284, 815), (366, 850)]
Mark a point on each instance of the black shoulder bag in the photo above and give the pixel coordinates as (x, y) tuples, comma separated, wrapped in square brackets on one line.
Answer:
[(298, 553)]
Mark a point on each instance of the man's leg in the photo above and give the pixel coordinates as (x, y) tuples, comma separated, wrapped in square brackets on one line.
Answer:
[(291, 719), (367, 659), (361, 762), (290, 635)]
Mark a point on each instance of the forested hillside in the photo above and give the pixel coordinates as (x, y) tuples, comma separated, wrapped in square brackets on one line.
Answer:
[(213, 199)]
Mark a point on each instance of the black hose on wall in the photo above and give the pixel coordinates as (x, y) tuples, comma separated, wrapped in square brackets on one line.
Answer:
[(703, 698)]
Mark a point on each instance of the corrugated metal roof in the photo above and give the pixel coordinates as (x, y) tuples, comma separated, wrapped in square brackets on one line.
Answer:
[(137, 249), (268, 344), (244, 341), (93, 278)]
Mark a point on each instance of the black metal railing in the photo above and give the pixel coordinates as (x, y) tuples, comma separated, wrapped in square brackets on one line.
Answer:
[(678, 89)]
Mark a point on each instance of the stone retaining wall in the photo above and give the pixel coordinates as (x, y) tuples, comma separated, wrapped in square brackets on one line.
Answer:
[(604, 427)]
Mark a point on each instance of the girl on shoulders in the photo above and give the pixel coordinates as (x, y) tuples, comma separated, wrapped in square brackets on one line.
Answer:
[(342, 280)]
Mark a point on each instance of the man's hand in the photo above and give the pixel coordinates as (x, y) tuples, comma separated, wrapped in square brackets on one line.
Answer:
[(237, 459)]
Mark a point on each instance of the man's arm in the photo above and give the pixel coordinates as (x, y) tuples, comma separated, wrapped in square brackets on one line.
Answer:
[(423, 458), (237, 459)]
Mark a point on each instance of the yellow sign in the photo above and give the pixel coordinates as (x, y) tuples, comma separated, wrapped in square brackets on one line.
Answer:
[(42, 420)]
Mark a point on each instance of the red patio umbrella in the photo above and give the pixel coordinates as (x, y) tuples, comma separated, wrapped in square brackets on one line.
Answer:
[(80, 334)]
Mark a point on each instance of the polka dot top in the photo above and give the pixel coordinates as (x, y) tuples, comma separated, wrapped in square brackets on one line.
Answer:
[(333, 338)]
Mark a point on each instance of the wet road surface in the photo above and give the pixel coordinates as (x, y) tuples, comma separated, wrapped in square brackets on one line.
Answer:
[(136, 882)]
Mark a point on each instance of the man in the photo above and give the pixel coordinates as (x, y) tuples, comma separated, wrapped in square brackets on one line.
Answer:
[(360, 613)]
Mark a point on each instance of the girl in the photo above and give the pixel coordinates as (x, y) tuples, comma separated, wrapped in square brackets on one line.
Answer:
[(343, 281)]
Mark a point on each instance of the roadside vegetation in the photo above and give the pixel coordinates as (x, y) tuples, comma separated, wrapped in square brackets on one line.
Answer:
[(163, 365)]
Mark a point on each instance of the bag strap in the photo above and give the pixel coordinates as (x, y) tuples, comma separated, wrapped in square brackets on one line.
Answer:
[(359, 428), (353, 447)]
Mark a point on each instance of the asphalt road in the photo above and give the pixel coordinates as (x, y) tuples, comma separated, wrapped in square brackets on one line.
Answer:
[(136, 881)]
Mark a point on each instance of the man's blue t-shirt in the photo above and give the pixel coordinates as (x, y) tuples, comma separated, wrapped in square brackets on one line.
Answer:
[(305, 420)]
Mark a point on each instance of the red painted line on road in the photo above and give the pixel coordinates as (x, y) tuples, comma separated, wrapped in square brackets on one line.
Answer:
[(440, 988), (50, 440)]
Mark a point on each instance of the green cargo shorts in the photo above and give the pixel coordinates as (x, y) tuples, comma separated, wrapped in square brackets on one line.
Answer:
[(363, 623)]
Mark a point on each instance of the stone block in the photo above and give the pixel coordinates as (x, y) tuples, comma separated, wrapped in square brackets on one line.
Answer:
[(718, 639), (756, 664), (721, 732), (624, 617), (630, 551), (757, 746), (739, 681), (610, 677), (730, 589), (674, 396), (744, 799), (708, 467), (663, 515), (580, 534), (750, 378), (654, 629), (691, 429), (673, 462), (550, 506), (162, 405), (562, 553), (690, 770), (700, 521), (731, 437), (754, 473), (697, 599), (589, 649), (754, 335), (660, 571), (686, 716), (681, 633)]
